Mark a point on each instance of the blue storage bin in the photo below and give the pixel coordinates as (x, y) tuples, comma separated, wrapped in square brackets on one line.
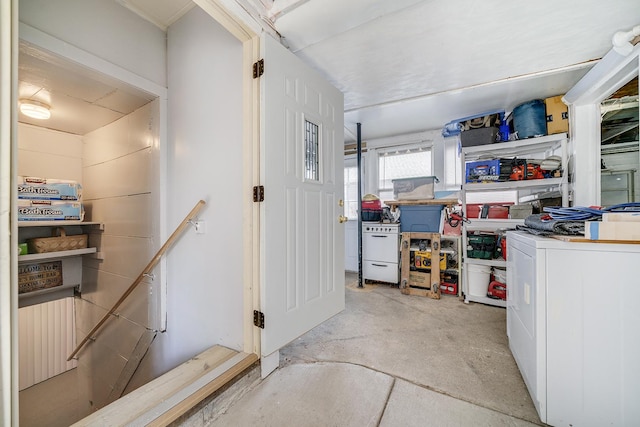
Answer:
[(420, 218)]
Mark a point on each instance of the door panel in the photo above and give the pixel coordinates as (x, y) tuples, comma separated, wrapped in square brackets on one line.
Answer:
[(302, 244)]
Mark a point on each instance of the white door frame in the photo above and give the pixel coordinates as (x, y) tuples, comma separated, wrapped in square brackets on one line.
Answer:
[(235, 20), (610, 74), (238, 22), (8, 224)]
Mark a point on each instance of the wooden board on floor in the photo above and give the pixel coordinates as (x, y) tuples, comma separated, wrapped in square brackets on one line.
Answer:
[(192, 381), (133, 362)]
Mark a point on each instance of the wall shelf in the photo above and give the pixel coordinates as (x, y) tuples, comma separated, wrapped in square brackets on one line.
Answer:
[(57, 223), (59, 254), (489, 262), (514, 185), (72, 260), (534, 148)]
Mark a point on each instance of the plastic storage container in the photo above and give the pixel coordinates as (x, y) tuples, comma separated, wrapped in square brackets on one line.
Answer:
[(418, 188), (500, 274), (530, 119), (520, 211), (479, 277), (372, 215), (420, 218), (482, 136), (372, 205)]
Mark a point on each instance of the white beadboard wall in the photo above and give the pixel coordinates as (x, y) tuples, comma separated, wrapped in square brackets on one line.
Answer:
[(46, 337)]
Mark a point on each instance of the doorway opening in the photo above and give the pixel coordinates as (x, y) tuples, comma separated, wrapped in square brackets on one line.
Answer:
[(620, 157), (103, 135)]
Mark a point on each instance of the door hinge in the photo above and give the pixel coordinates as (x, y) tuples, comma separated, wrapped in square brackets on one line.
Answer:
[(258, 193), (258, 319), (258, 69)]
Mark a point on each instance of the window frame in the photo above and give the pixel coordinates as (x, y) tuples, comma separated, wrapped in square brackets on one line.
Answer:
[(422, 146), (351, 161)]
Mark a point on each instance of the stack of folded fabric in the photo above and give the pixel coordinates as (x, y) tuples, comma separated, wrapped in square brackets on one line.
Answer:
[(570, 220)]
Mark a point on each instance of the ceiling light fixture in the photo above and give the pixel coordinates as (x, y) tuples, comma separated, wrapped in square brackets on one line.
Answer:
[(35, 109)]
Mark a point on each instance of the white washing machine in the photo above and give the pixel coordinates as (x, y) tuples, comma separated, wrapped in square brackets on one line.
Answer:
[(381, 252)]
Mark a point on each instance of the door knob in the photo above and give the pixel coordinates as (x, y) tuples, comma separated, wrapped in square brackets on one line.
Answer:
[(342, 219)]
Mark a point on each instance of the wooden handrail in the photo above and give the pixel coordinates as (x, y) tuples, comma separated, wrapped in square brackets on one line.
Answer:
[(146, 271)]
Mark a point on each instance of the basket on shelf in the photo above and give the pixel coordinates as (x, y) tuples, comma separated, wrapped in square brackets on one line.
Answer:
[(58, 242)]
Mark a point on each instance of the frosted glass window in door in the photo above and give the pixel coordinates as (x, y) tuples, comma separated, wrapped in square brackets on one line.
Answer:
[(311, 151)]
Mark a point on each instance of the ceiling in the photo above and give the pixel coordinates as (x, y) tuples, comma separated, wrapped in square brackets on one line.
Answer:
[(407, 66), (80, 100)]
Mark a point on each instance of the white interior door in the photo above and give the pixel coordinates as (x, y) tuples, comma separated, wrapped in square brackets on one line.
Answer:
[(302, 253)]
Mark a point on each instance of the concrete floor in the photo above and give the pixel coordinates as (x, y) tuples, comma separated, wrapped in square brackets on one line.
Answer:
[(387, 360), (393, 360)]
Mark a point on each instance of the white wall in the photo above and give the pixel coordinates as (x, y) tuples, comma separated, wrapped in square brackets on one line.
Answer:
[(120, 190), (47, 153), (105, 29), (205, 291)]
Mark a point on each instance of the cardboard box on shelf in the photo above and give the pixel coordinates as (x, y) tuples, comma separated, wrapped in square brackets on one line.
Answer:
[(49, 210), (557, 115), (33, 188), (623, 231), (621, 217), (419, 279)]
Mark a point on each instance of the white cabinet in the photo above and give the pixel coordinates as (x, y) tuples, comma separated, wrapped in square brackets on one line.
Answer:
[(68, 262), (526, 190), (574, 328)]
